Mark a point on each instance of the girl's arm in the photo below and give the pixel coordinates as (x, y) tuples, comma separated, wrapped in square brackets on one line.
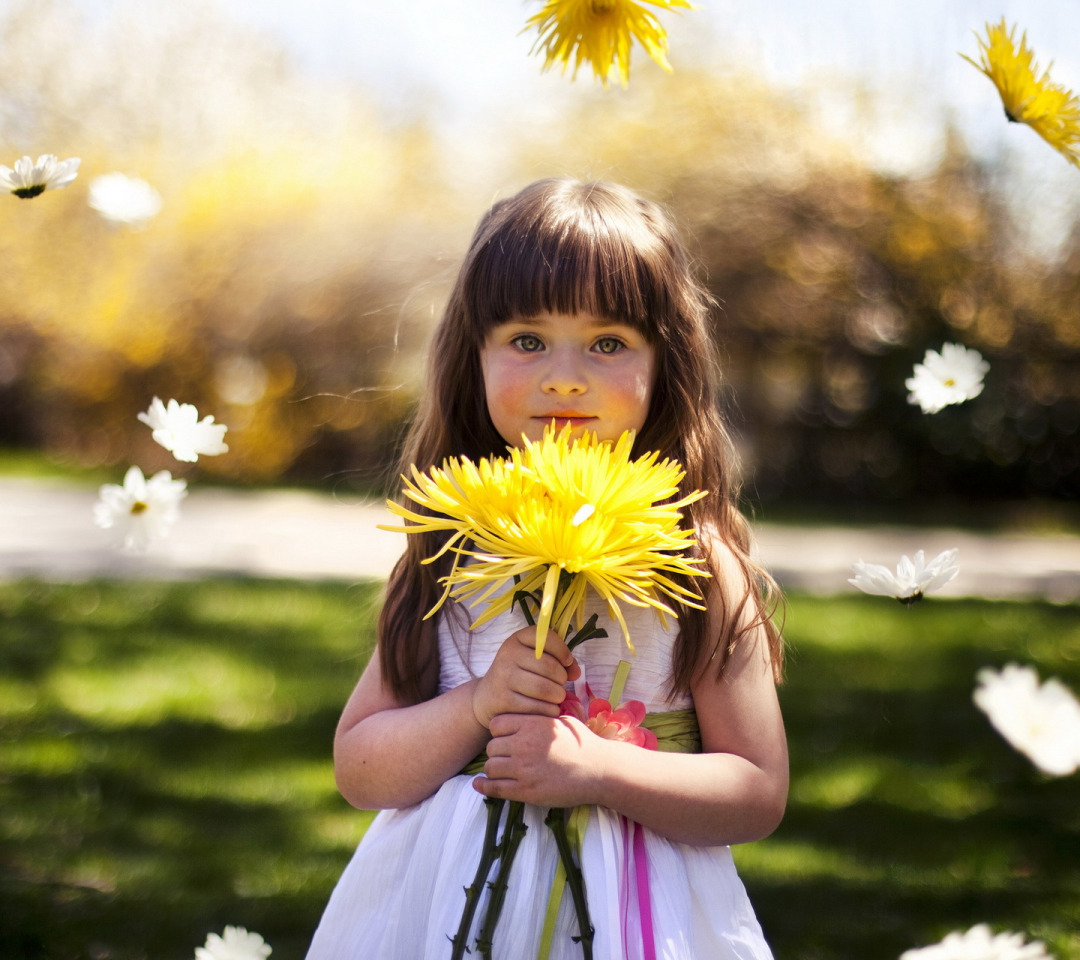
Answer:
[(733, 792), (391, 754)]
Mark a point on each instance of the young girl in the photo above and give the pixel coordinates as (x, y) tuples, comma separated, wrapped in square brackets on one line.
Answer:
[(575, 305)]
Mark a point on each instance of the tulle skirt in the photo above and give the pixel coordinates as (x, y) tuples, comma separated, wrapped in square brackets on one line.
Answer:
[(401, 896)]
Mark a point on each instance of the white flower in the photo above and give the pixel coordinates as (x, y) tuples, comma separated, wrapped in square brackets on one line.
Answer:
[(979, 943), (121, 199), (29, 179), (912, 579), (178, 429), (141, 511), (952, 376), (1043, 722), (235, 944)]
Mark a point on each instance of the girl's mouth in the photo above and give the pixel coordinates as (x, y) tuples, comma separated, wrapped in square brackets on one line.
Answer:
[(572, 420)]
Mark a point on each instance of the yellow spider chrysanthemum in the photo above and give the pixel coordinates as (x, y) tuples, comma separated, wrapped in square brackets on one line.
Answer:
[(1050, 109), (561, 516), (600, 32)]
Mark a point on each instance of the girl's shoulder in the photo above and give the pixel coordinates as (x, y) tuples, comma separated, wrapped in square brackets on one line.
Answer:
[(732, 566), (744, 602)]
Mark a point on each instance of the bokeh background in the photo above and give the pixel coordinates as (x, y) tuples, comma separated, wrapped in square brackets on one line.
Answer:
[(853, 195), (847, 182)]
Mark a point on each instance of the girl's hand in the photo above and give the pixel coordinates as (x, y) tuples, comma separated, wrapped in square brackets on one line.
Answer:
[(516, 682), (554, 762)]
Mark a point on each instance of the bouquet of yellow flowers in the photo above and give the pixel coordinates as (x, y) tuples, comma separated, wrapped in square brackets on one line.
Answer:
[(558, 516)]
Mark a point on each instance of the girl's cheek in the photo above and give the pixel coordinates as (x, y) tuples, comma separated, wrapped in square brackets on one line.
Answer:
[(507, 395)]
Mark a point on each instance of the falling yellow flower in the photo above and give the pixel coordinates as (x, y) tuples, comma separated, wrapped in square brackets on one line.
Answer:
[(1050, 109), (600, 32), (561, 516)]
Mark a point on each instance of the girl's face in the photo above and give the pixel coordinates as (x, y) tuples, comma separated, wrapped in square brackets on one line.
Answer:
[(590, 372)]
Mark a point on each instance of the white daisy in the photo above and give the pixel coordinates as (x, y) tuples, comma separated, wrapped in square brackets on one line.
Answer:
[(235, 944), (1042, 722), (952, 376), (979, 943), (141, 511), (179, 430), (912, 579), (126, 200), (30, 179)]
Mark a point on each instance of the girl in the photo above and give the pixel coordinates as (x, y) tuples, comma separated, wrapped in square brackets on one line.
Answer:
[(575, 305)]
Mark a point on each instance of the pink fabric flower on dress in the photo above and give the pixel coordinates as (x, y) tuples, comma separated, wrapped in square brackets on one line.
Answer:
[(623, 723), (573, 707)]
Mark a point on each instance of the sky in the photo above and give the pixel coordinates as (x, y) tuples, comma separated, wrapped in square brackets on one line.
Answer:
[(470, 56), (465, 66), (467, 57)]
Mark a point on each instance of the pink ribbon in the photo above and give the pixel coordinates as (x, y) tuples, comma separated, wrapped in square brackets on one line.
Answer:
[(641, 868), (641, 881)]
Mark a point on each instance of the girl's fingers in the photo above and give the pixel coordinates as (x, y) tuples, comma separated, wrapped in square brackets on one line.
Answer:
[(517, 682), (502, 726), (497, 768), (541, 688), (491, 788), (530, 705), (555, 648)]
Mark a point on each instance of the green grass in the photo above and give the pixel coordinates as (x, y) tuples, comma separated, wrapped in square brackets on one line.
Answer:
[(165, 771), (166, 762), (909, 816), (23, 462)]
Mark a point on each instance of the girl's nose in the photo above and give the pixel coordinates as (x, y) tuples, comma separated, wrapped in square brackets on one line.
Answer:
[(564, 376)]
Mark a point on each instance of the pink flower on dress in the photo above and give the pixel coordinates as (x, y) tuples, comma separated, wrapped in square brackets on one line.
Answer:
[(623, 723), (573, 707)]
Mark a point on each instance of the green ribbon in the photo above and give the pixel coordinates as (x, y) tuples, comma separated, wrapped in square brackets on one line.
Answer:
[(676, 731), (622, 672), (575, 832)]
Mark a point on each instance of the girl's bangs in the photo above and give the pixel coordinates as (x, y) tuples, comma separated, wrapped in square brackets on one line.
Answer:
[(570, 270)]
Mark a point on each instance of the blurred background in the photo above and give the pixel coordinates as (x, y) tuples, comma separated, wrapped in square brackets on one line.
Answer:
[(847, 182), (853, 195)]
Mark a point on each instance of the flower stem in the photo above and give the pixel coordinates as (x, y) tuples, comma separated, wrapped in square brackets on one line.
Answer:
[(472, 892), (521, 597), (556, 821), (587, 632), (512, 836)]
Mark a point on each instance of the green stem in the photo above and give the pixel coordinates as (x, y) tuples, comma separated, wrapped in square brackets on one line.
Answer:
[(521, 597), (472, 892), (513, 833), (587, 632), (556, 821)]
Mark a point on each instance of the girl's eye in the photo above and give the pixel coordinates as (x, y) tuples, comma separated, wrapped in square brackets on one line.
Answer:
[(608, 345), (528, 342)]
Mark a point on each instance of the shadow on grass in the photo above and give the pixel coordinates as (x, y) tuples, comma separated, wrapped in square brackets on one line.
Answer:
[(166, 771), (909, 815), (166, 767)]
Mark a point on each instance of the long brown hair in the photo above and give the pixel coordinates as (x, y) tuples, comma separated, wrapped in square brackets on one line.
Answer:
[(561, 246)]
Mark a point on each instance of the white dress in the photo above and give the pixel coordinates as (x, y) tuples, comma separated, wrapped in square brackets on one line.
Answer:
[(401, 896)]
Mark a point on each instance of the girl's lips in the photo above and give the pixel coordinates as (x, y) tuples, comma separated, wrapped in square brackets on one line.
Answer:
[(562, 419)]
